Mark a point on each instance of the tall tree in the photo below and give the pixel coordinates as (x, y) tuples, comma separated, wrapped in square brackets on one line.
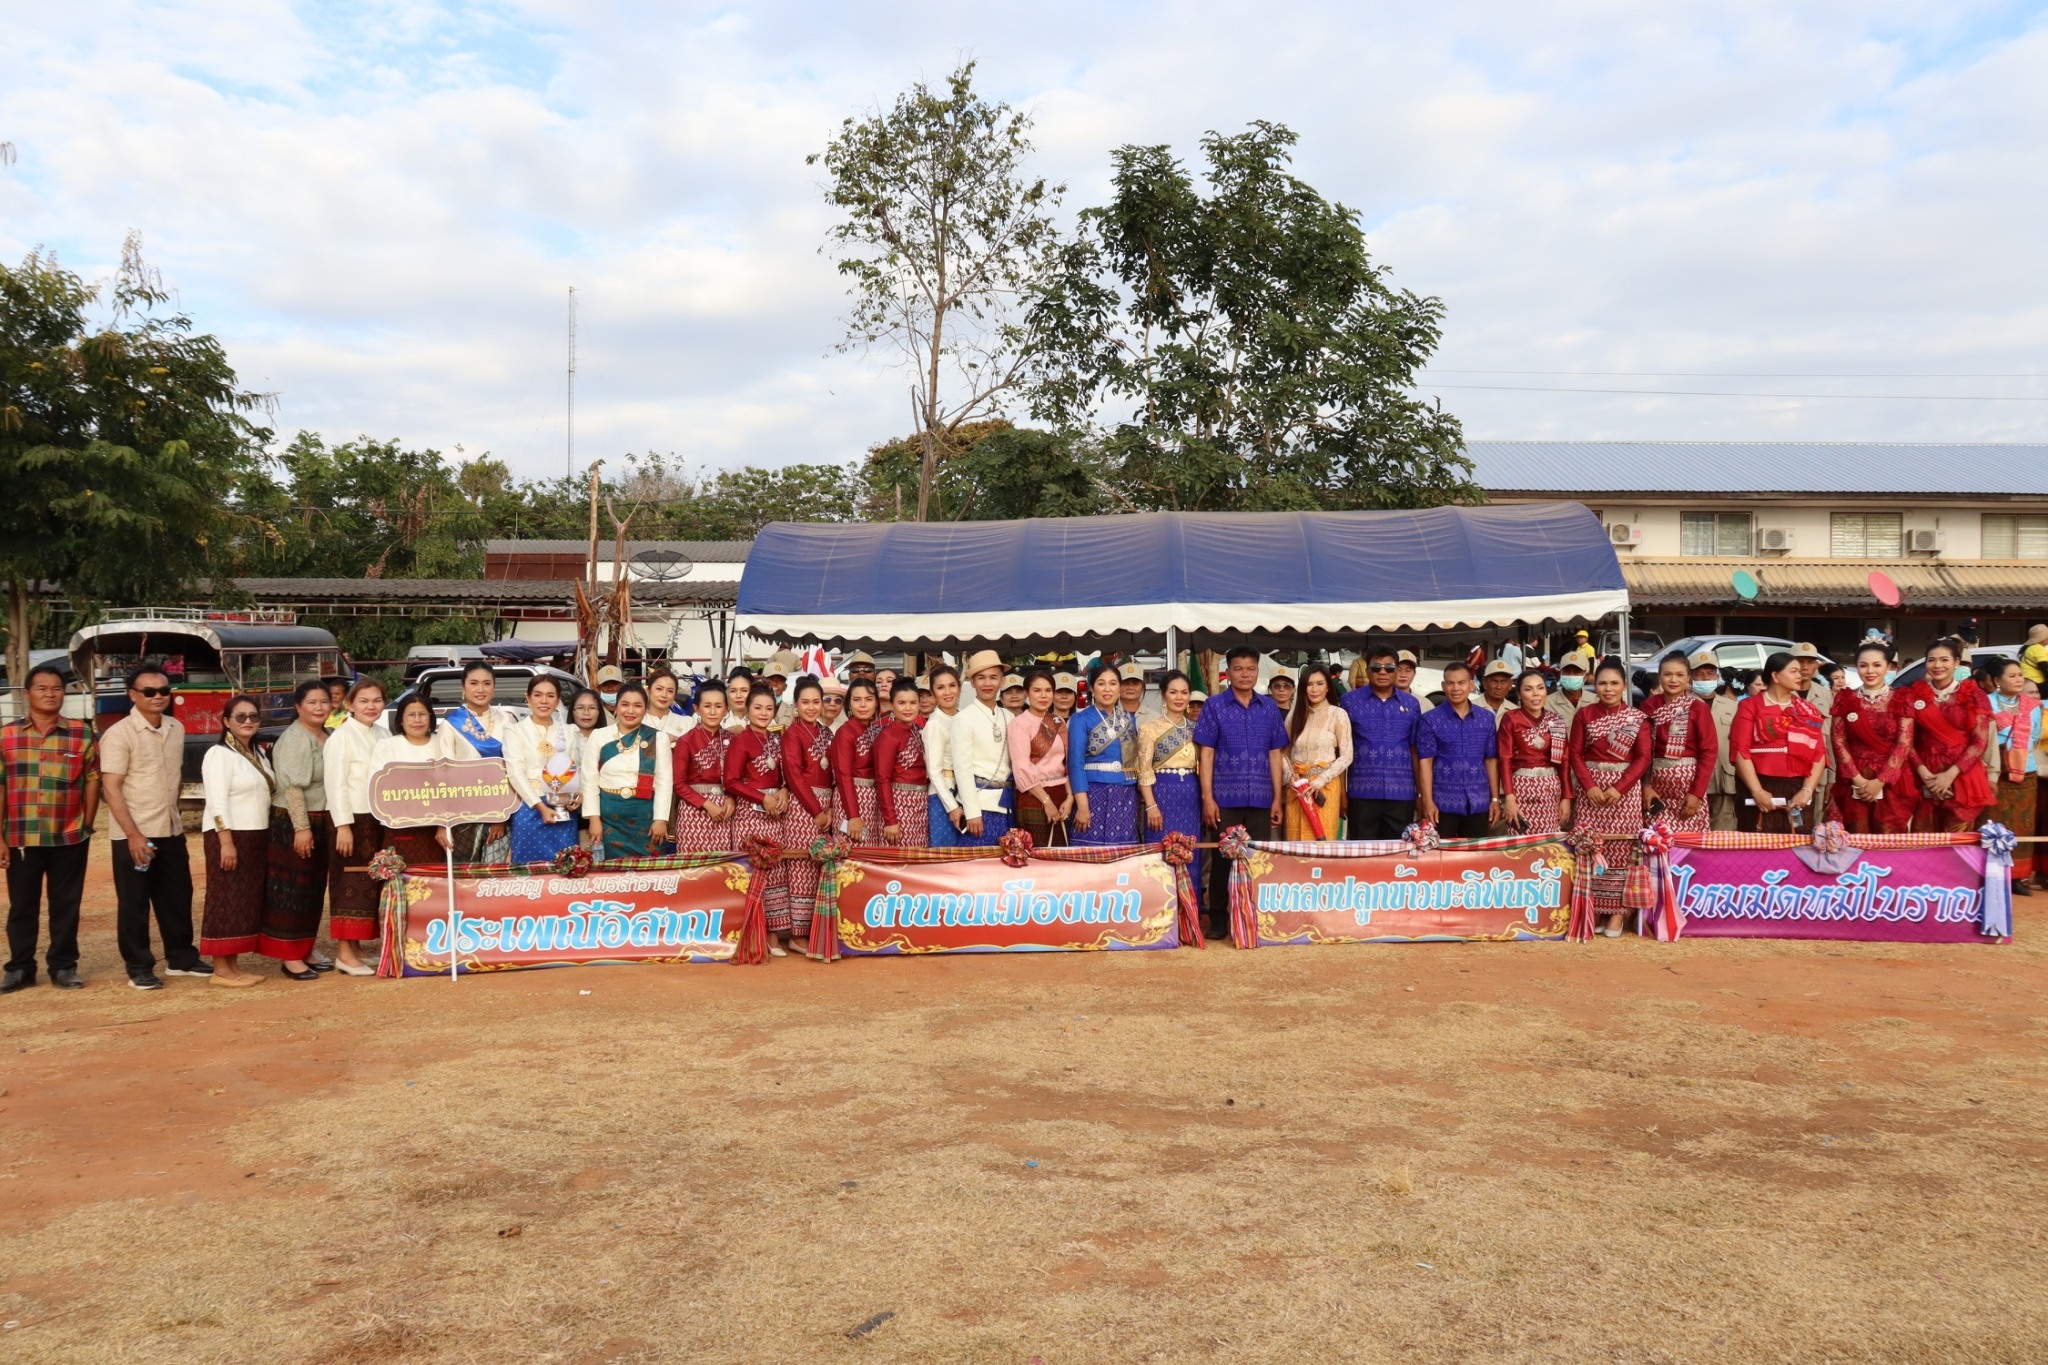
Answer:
[(1239, 349), (943, 233), (118, 440), (1000, 472)]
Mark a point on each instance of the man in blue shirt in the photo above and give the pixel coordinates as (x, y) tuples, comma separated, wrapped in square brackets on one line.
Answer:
[(1241, 741), (1456, 762), (1383, 719)]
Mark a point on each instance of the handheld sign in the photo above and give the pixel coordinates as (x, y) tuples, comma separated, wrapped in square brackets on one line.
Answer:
[(445, 792), (1883, 589), (1746, 586)]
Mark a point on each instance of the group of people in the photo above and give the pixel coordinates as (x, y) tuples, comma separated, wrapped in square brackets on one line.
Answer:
[(961, 757)]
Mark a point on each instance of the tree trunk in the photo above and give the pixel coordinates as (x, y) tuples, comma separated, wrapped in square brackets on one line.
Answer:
[(20, 636)]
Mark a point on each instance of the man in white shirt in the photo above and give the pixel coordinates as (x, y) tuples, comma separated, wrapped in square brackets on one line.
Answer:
[(980, 749)]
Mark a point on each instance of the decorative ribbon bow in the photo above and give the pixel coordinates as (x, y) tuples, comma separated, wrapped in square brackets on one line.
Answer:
[(1659, 917), (1016, 847), (1235, 843), (763, 852), (827, 851), (1177, 849), (1830, 838), (573, 861), (386, 864), (1420, 838), (1999, 845)]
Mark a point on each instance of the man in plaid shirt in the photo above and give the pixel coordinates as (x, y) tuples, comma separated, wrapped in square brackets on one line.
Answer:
[(49, 796)]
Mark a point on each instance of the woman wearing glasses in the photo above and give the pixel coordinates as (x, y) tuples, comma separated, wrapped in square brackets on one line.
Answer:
[(236, 822)]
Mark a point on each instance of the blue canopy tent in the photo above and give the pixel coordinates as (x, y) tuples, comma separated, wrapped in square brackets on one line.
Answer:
[(1273, 579)]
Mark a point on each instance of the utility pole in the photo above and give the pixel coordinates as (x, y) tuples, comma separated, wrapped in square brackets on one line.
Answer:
[(569, 465)]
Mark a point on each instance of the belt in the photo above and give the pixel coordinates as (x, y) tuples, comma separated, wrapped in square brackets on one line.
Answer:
[(1173, 774), (1103, 767), (706, 789), (988, 785), (1665, 764), (624, 793)]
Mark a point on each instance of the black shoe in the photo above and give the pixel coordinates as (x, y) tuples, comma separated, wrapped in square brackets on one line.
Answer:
[(145, 981), (288, 974), (199, 967), (2022, 889), (66, 979), (18, 979), (319, 964)]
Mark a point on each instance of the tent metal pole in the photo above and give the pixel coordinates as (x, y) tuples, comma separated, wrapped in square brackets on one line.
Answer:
[(1172, 647)]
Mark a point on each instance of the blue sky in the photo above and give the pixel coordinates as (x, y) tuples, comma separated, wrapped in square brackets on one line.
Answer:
[(378, 207)]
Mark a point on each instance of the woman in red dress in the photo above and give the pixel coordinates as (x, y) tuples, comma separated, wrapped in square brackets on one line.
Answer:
[(853, 763), (704, 813), (1780, 752), (806, 749), (1610, 753), (1874, 788), (1532, 739), (901, 781), (1951, 720), (1683, 747), (753, 778)]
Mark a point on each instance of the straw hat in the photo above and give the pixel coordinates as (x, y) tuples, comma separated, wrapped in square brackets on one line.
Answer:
[(980, 662)]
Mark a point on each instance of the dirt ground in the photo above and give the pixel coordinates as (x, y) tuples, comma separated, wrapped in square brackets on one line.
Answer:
[(1711, 1151)]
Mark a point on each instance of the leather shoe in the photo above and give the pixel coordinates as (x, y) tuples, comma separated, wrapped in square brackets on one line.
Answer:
[(145, 981), (17, 979), (288, 974), (66, 979)]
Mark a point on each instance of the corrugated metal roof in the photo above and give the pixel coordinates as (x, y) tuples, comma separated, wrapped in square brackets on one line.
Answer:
[(703, 551), (1979, 585), (431, 590), (1865, 467)]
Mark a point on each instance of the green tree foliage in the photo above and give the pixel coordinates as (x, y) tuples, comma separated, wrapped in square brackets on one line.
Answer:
[(1238, 349), (119, 436), (363, 509), (943, 232), (992, 471)]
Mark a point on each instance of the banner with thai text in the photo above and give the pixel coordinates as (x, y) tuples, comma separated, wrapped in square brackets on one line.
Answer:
[(1900, 895), (983, 905), (1490, 890), (501, 923)]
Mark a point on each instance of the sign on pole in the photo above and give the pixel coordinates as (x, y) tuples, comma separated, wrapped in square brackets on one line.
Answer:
[(445, 792)]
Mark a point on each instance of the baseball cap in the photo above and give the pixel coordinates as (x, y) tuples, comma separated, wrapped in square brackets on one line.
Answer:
[(1705, 658), (1499, 668), (1805, 650)]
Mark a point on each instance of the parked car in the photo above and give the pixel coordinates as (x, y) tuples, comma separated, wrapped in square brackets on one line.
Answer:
[(422, 657), (1643, 645), (1738, 654), (442, 687), (1916, 670)]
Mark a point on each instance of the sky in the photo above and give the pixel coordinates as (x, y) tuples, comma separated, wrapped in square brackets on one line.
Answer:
[(379, 208)]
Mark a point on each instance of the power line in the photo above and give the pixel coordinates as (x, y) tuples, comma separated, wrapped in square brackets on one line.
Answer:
[(1718, 393), (1729, 374)]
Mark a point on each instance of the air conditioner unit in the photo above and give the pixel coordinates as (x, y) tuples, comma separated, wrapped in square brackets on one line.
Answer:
[(1926, 542), (1622, 533), (1776, 538)]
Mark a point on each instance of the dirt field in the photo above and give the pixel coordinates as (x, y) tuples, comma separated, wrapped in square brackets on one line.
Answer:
[(1615, 1152)]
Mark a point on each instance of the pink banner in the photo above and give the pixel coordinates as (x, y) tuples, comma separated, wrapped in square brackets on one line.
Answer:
[(1903, 895)]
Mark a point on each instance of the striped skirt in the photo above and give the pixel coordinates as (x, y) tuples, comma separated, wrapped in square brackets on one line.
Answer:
[(799, 832), (1618, 827), (751, 822), (868, 811), (293, 888), (352, 896), (696, 831), (1671, 780), (232, 918), (1539, 799), (1113, 816), (912, 815), (1179, 796), (1032, 819)]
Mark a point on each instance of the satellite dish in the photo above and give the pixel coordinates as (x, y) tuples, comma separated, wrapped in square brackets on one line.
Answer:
[(1746, 586), (1884, 589), (660, 566)]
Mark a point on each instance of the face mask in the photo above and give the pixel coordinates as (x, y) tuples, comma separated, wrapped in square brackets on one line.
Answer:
[(1571, 682), (1890, 676), (1705, 689)]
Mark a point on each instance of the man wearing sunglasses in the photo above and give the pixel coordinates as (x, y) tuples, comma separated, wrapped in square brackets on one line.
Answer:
[(142, 761), (1381, 790)]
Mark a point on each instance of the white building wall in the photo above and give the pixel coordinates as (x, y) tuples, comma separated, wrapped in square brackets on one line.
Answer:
[(1810, 523)]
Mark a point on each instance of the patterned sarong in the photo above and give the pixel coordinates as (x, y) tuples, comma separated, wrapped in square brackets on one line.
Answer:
[(232, 918), (1617, 827), (995, 823), (1179, 796), (1671, 779), (628, 823), (751, 822), (352, 896), (535, 840), (939, 831), (1539, 798), (1113, 817), (799, 832), (293, 888), (696, 831), (912, 832)]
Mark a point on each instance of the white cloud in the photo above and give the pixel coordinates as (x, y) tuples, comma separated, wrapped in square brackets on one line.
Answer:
[(379, 207)]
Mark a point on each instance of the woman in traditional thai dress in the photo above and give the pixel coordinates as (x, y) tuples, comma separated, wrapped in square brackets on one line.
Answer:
[(543, 755), (704, 813), (853, 763), (301, 837), (628, 780), (806, 752), (485, 725), (754, 780), (1780, 752), (1951, 723), (1683, 747), (418, 736), (1318, 756), (1167, 780), (2015, 721), (1038, 765), (236, 841), (901, 779), (943, 806), (1874, 788), (1533, 741), (1610, 755), (349, 756), (1102, 766), (662, 714), (586, 712)]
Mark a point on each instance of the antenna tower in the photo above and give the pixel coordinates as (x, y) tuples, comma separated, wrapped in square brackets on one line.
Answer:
[(571, 452)]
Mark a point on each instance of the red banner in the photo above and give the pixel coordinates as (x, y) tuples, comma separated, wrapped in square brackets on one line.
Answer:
[(649, 913), (983, 905), (1492, 890)]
